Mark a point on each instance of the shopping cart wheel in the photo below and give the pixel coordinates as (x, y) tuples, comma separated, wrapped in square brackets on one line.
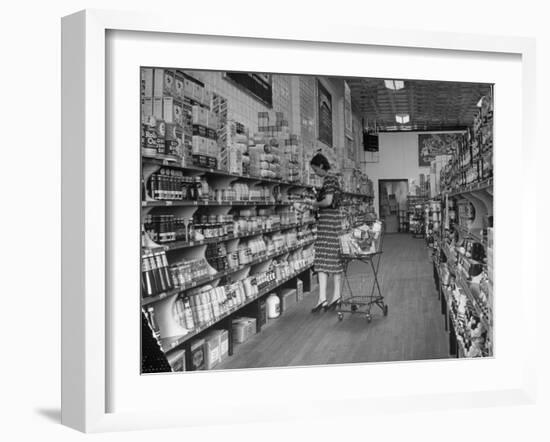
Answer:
[(353, 307), (385, 309), (340, 316), (369, 318)]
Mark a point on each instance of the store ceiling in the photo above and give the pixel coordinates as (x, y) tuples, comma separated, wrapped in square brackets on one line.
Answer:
[(431, 105)]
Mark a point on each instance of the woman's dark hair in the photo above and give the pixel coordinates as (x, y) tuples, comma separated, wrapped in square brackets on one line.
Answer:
[(321, 161)]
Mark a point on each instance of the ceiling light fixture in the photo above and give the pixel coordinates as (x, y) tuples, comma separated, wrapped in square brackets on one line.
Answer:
[(394, 85), (402, 118)]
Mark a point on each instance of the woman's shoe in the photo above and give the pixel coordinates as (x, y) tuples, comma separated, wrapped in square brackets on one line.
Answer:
[(318, 307), (331, 306)]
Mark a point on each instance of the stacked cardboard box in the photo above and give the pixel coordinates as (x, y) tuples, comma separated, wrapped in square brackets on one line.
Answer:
[(197, 355), (243, 328), (272, 124), (168, 98), (216, 347), (273, 139), (232, 138), (299, 290), (233, 147), (288, 298), (205, 132), (265, 161)]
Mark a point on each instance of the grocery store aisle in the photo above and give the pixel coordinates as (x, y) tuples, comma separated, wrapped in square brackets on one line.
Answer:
[(413, 329)]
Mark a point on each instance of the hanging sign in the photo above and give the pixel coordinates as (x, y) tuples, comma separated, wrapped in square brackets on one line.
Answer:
[(258, 85), (348, 118), (324, 107)]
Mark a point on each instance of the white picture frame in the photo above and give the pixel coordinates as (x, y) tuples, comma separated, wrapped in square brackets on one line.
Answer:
[(85, 214)]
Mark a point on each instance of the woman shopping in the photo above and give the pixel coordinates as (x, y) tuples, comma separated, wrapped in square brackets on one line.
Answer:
[(327, 247)]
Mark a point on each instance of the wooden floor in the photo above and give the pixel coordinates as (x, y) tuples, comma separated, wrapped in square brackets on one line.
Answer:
[(413, 329)]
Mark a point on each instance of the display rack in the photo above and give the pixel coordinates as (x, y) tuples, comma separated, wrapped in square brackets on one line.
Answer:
[(196, 248), (416, 215), (178, 245), (156, 162), (218, 275), (466, 198), (449, 244), (173, 343)]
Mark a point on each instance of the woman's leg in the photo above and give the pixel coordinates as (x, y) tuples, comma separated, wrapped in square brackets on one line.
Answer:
[(337, 287), (323, 277)]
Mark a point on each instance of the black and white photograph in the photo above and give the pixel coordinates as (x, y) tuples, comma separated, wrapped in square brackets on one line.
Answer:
[(301, 220)]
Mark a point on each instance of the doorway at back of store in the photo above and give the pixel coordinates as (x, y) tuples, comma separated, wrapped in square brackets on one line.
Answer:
[(392, 199)]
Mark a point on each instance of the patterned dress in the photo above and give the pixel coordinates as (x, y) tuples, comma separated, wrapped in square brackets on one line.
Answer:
[(327, 245)]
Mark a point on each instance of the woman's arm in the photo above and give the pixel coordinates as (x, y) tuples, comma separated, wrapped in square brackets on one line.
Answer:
[(325, 202)]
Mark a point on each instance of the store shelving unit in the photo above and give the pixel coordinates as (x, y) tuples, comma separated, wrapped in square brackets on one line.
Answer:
[(218, 275), (416, 216), (212, 203), (196, 248), (467, 212), (178, 245), (480, 196), (173, 343), (156, 163)]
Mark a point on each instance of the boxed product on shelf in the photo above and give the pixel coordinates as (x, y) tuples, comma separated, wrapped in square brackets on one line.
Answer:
[(146, 82), (174, 139), (200, 116), (172, 110), (231, 160), (197, 355), (288, 298), (224, 344), (179, 81), (146, 107), (243, 328), (212, 149), (212, 349), (198, 92), (163, 82), (158, 108), (176, 359), (149, 136), (200, 146), (188, 87), (299, 290)]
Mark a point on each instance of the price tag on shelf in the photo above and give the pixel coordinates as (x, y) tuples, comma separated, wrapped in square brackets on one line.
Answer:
[(168, 203)]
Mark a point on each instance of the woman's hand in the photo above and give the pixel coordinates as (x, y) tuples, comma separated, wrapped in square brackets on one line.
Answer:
[(325, 202)]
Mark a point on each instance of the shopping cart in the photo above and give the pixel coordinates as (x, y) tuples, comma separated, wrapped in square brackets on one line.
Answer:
[(367, 250)]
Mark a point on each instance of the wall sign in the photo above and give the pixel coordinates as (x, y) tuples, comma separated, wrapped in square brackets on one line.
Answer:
[(348, 119), (260, 86), (431, 145), (324, 112)]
